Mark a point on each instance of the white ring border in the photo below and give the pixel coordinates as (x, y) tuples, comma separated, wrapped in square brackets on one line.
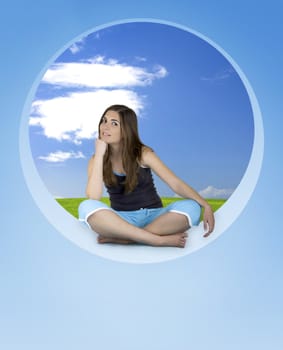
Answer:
[(72, 229)]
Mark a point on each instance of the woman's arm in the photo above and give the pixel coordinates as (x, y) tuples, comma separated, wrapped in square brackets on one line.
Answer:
[(94, 188), (151, 160)]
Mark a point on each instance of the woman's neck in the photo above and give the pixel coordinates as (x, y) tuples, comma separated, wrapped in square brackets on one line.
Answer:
[(116, 160), (116, 151)]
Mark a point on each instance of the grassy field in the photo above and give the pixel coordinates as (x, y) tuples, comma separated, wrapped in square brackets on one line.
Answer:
[(71, 204)]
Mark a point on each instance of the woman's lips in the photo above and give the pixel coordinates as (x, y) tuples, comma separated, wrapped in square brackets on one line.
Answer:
[(105, 134)]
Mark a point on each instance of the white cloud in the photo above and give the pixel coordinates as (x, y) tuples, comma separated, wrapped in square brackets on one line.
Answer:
[(76, 116), (218, 76), (77, 46), (140, 59), (212, 192), (74, 48), (60, 156), (99, 73), (97, 59)]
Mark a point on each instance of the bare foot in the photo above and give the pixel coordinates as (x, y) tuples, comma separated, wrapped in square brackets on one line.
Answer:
[(175, 240), (102, 239)]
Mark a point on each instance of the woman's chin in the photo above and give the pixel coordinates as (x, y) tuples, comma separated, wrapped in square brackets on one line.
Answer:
[(106, 140)]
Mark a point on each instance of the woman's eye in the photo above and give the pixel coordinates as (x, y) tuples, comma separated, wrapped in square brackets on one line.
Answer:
[(114, 123)]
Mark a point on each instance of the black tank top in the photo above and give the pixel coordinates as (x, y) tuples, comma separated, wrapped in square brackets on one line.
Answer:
[(143, 196)]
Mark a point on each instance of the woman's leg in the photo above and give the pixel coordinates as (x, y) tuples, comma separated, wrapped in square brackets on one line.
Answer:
[(110, 225), (179, 217), (103, 239), (168, 224)]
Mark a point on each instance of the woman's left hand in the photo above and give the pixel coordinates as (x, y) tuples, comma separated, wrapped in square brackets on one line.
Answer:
[(208, 220)]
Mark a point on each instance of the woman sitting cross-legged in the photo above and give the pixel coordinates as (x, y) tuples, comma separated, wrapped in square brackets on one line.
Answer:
[(124, 164)]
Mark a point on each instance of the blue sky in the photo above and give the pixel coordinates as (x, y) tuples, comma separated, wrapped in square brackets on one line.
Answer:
[(193, 108)]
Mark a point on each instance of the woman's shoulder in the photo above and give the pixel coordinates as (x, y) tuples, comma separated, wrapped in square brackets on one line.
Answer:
[(146, 149), (147, 154)]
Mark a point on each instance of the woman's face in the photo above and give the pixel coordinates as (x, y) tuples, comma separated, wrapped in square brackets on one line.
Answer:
[(110, 128)]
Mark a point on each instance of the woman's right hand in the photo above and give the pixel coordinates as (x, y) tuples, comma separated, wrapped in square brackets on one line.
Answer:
[(100, 147)]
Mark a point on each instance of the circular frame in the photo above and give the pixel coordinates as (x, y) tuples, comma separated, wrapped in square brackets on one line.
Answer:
[(73, 230)]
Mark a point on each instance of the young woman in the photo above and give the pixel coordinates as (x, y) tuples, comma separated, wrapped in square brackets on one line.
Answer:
[(123, 163)]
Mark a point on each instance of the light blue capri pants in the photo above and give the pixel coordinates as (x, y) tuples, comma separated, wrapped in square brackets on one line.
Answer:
[(142, 217)]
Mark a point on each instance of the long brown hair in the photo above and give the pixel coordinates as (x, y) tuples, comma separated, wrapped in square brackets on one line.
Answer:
[(131, 148)]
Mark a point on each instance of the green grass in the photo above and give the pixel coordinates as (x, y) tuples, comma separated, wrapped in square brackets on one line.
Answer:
[(71, 204)]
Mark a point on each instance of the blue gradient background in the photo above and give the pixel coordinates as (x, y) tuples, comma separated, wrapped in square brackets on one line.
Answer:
[(227, 295)]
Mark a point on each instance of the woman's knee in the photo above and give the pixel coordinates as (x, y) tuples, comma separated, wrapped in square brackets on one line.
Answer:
[(88, 207), (190, 208)]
